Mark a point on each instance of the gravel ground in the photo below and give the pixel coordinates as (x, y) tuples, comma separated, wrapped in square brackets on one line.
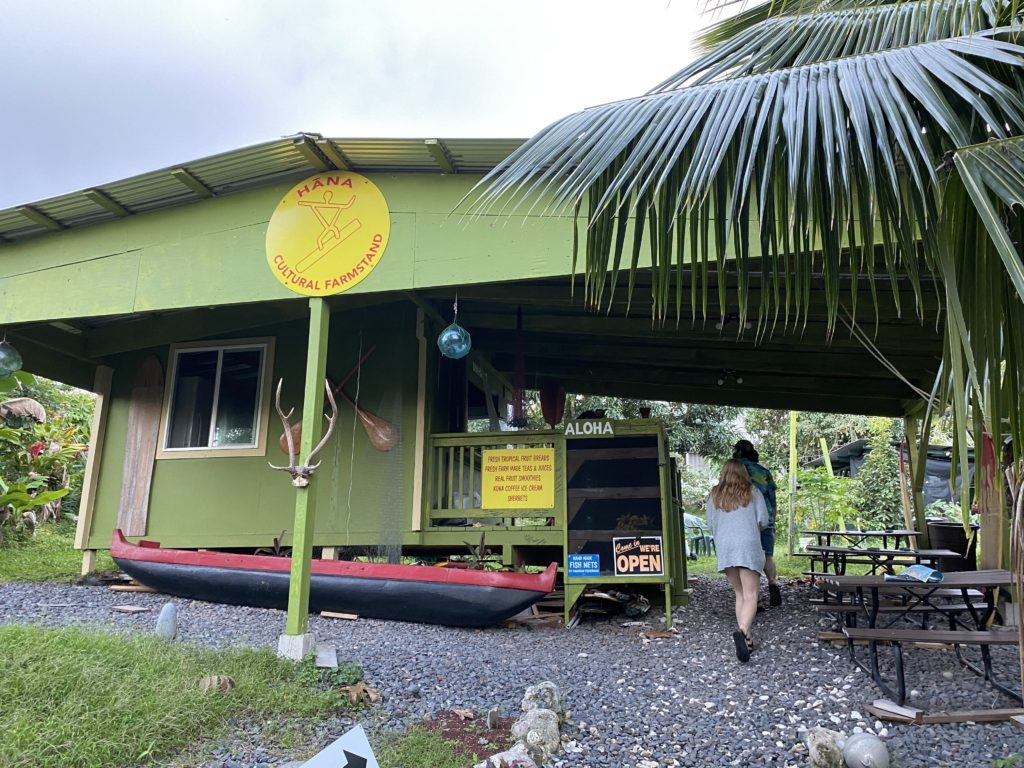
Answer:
[(631, 702)]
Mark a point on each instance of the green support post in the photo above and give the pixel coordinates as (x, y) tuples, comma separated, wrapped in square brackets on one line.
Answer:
[(792, 482), (305, 502)]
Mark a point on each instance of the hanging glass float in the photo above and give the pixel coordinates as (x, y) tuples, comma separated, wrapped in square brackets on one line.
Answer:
[(454, 341), (10, 360)]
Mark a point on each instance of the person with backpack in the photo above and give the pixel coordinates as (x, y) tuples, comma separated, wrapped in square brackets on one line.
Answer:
[(762, 478)]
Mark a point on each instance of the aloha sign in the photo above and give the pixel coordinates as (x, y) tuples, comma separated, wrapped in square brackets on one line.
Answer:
[(592, 428)]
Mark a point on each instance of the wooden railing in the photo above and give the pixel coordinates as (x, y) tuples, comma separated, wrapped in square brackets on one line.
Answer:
[(454, 486)]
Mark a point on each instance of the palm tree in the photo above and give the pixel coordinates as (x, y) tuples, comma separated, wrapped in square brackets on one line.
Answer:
[(821, 140)]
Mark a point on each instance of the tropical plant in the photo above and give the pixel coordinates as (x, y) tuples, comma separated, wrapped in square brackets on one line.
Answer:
[(875, 491), (817, 140), (822, 501), (44, 428), (694, 486), (769, 431)]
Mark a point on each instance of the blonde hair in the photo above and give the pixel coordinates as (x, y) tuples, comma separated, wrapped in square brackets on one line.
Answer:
[(734, 489)]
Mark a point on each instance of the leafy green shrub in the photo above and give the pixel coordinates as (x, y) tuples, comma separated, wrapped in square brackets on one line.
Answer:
[(42, 465), (875, 491), (694, 487), (325, 678), (822, 501)]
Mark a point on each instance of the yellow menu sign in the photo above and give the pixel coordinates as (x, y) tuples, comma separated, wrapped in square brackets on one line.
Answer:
[(328, 233), (519, 479)]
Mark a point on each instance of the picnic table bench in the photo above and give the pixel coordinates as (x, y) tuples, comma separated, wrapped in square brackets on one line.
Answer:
[(837, 558), (968, 621), (887, 539)]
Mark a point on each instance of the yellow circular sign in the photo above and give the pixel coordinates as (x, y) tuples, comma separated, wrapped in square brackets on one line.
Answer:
[(328, 233)]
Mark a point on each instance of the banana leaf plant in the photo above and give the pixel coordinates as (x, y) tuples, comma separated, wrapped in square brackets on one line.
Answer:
[(18, 505)]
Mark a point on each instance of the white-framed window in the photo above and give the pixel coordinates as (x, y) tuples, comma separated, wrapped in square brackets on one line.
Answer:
[(218, 399)]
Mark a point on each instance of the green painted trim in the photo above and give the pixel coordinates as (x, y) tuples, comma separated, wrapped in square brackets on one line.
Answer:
[(305, 503), (213, 253)]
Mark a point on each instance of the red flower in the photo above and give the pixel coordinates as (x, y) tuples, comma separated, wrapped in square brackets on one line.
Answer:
[(36, 448)]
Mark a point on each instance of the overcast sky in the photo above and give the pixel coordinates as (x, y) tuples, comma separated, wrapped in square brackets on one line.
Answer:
[(100, 91)]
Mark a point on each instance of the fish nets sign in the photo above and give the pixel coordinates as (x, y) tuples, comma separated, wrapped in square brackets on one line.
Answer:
[(518, 479)]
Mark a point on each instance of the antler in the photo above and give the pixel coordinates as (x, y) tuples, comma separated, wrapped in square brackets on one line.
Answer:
[(330, 429), (300, 474)]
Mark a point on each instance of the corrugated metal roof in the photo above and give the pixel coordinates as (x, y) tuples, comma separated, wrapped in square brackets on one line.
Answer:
[(292, 157)]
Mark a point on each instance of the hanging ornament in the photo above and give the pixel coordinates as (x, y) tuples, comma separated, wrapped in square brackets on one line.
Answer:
[(552, 402), (454, 341), (10, 360)]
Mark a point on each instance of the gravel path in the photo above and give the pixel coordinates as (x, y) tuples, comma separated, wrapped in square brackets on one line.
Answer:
[(632, 702)]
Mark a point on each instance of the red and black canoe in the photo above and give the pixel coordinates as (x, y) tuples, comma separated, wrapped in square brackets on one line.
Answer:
[(427, 594)]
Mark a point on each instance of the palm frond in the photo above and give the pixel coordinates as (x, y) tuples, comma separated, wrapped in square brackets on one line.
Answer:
[(981, 268), (795, 165), (802, 33)]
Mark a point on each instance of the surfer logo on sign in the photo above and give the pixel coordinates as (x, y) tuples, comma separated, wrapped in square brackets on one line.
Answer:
[(300, 474)]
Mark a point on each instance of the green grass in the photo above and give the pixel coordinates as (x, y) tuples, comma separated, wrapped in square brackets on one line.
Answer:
[(48, 556), (418, 748), (74, 698), (789, 567), (78, 698)]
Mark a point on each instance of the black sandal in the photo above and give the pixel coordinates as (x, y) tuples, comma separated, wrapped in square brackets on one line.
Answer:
[(742, 649)]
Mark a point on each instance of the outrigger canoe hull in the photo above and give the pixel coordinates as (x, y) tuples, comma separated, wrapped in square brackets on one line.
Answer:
[(426, 594)]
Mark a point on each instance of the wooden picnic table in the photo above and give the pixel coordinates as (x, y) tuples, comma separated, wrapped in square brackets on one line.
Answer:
[(888, 538), (880, 560), (951, 599)]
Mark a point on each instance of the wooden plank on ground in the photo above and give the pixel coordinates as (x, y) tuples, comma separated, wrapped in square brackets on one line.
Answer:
[(130, 588), (541, 620), (971, 716), (1018, 720), (339, 615), (129, 608), (832, 637), (886, 709)]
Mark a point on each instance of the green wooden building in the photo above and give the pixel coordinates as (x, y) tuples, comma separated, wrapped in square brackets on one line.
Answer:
[(195, 289)]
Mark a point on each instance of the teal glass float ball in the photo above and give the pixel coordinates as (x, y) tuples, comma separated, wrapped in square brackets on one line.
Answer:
[(10, 360), (454, 342)]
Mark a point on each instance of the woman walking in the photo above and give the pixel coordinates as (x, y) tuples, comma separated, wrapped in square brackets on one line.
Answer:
[(736, 514)]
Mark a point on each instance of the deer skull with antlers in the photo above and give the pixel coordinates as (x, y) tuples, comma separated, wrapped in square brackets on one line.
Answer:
[(300, 474)]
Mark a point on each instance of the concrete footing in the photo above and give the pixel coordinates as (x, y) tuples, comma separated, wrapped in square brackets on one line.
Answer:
[(295, 647)]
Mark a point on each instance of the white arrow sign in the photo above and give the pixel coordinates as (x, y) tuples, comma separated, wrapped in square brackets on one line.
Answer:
[(350, 751)]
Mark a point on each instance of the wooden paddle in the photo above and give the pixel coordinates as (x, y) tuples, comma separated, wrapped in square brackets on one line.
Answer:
[(380, 432), (296, 429)]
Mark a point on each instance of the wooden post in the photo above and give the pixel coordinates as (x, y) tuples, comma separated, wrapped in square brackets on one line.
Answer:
[(918, 466), (421, 422), (827, 461), (101, 388), (305, 502), (990, 504)]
